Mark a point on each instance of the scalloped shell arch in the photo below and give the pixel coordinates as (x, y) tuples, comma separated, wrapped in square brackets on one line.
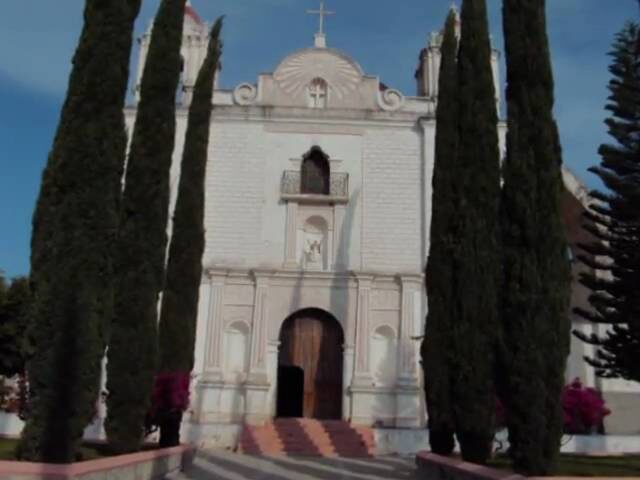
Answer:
[(297, 71)]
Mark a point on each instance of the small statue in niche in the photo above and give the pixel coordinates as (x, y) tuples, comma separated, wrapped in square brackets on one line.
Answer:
[(313, 251)]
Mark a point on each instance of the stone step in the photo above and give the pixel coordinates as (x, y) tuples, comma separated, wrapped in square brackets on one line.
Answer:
[(307, 437)]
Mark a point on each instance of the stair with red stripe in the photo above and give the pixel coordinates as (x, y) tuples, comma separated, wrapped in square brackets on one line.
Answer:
[(307, 437)]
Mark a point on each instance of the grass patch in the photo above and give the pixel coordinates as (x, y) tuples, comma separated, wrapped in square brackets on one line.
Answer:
[(573, 465), (88, 451), (7, 447)]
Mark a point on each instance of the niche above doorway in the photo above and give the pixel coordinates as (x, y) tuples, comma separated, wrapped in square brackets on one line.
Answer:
[(316, 196)]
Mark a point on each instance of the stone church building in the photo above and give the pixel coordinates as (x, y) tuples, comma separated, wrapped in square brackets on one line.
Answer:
[(318, 206)]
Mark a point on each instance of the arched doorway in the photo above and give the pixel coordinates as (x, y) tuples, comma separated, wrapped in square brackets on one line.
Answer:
[(310, 366)]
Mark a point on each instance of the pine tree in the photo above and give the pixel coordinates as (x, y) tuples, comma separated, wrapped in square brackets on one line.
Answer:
[(536, 271), (476, 253), (179, 311), (614, 221), (141, 248), (74, 228), (436, 344)]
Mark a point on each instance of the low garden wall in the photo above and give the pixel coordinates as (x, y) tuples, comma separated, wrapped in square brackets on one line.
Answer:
[(437, 467), (149, 465)]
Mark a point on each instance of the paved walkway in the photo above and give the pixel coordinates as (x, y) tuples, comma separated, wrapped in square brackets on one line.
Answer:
[(223, 465)]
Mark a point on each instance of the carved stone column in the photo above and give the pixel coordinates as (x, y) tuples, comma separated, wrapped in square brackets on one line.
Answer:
[(291, 237), (258, 359), (362, 375), (213, 349), (410, 315), (257, 408), (339, 264), (408, 404)]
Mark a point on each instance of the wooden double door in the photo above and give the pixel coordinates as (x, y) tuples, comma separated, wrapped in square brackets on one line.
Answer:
[(310, 366)]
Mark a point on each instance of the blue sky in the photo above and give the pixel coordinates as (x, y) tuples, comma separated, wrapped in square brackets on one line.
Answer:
[(38, 37)]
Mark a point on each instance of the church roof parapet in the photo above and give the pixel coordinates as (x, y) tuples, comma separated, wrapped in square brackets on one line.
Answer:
[(321, 78)]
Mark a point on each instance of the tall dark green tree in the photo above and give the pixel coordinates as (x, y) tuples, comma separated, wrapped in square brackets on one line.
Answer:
[(476, 253), (141, 247), (536, 290), (436, 345), (74, 229), (177, 330), (614, 221)]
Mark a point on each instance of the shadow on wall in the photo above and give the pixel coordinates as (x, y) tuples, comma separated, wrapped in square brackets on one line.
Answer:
[(340, 297)]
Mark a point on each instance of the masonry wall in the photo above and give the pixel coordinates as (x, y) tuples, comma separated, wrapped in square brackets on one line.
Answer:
[(393, 218), (245, 218)]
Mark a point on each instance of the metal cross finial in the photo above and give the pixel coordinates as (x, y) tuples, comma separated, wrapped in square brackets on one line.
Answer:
[(321, 13)]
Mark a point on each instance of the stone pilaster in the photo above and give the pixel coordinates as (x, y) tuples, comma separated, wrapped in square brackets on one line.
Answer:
[(291, 240), (339, 264), (347, 379), (362, 375), (257, 409), (258, 359), (410, 312), (213, 349)]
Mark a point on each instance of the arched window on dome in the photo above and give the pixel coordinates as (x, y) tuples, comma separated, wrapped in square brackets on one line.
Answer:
[(318, 93), (315, 175)]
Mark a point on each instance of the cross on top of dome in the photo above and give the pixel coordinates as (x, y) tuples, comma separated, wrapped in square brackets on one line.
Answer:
[(321, 39)]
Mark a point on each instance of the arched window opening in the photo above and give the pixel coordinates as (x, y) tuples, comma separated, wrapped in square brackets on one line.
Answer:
[(316, 173), (318, 93)]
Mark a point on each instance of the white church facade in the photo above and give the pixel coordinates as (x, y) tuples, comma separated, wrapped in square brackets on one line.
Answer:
[(318, 201)]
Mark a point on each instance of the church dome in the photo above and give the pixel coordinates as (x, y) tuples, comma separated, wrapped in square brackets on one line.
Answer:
[(298, 70)]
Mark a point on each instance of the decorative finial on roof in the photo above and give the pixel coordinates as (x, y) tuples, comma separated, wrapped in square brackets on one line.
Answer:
[(321, 38), (190, 12)]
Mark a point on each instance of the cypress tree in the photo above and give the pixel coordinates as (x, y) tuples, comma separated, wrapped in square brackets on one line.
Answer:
[(74, 228), (179, 311), (536, 271), (476, 253), (141, 248), (436, 343), (614, 221)]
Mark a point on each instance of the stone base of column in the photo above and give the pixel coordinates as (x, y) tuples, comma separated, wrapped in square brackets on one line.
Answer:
[(408, 405), (257, 405), (258, 378), (212, 376), (373, 406), (362, 380), (290, 265), (408, 382)]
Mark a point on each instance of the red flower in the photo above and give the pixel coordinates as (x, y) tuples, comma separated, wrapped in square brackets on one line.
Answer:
[(170, 393), (584, 408)]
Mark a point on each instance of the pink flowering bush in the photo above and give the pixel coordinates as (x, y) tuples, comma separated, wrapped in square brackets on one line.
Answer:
[(584, 408), (170, 396)]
